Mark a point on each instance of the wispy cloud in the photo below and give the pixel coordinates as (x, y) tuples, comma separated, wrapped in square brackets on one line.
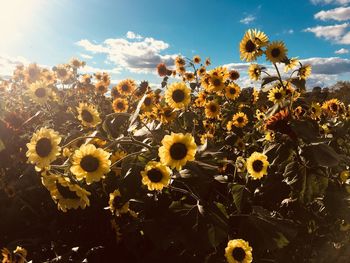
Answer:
[(342, 51), (133, 53), (336, 33), (338, 14), (326, 2), (248, 19), (85, 56), (8, 64)]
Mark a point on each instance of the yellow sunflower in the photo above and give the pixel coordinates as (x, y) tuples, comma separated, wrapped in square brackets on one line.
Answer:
[(32, 73), (88, 115), (240, 120), (257, 165), (254, 72), (156, 176), (66, 194), (316, 110), (167, 115), (116, 156), (290, 64), (120, 105), (148, 103), (126, 87), (116, 205), (39, 92), (238, 251), (201, 99), (216, 83), (331, 106), (276, 52), (179, 62), (18, 256), (62, 72), (201, 71), (233, 75), (43, 148), (232, 91), (90, 163), (250, 45), (304, 71), (276, 95), (178, 95), (101, 87), (212, 109), (177, 149), (197, 59)]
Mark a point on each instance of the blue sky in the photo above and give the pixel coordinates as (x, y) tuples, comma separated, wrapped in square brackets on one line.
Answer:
[(51, 32)]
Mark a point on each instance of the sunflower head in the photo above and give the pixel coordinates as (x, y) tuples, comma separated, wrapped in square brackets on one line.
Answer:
[(212, 109), (276, 52), (232, 91), (101, 87), (156, 176), (250, 45), (167, 115), (240, 120), (116, 203), (238, 251), (162, 69), (177, 149), (178, 95), (254, 72), (290, 63), (120, 105), (257, 165), (276, 95), (304, 71), (88, 115), (39, 92), (126, 87)]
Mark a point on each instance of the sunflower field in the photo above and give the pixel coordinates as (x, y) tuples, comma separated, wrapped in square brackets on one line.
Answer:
[(197, 170)]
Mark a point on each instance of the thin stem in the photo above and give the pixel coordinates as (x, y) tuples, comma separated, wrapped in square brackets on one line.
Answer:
[(279, 75)]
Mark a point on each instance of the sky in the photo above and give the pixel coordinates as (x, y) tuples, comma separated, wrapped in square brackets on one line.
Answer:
[(128, 38)]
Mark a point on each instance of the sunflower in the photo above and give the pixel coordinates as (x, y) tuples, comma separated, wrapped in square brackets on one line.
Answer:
[(116, 156), (167, 115), (276, 95), (88, 115), (162, 69), (255, 95), (196, 59), (233, 75), (276, 52), (201, 71), (290, 64), (259, 115), (257, 165), (101, 87), (156, 176), (116, 205), (141, 90), (201, 99), (39, 92), (126, 87), (48, 77), (32, 73), (18, 256), (177, 149), (179, 62), (254, 72), (250, 45), (279, 122), (238, 251), (304, 71), (90, 163), (189, 76), (62, 72), (178, 95), (216, 82), (232, 91), (66, 194), (212, 109), (331, 106), (240, 120), (316, 110), (120, 105), (241, 164), (43, 148)]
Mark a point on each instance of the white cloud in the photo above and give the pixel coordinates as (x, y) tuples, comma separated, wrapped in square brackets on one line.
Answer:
[(132, 54), (88, 69), (86, 56), (248, 19), (328, 66), (132, 35), (339, 14), (8, 64), (341, 51), (325, 2), (336, 33)]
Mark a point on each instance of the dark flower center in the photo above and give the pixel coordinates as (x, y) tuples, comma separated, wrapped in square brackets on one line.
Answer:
[(155, 175), (168, 113), (278, 95), (178, 95), (66, 192), (178, 151), (43, 147), (120, 105), (238, 253), (40, 92), (101, 87), (250, 46), (86, 116), (147, 101), (117, 202), (275, 52), (240, 119), (125, 87), (232, 91), (89, 163), (334, 107), (32, 72), (217, 82), (213, 108), (258, 165)]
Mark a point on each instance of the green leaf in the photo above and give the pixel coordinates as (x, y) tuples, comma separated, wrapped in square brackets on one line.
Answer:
[(268, 80), (237, 194), (134, 116), (320, 154), (306, 129), (298, 83)]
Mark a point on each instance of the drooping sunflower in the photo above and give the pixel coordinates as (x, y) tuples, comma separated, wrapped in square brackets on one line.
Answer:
[(167, 115), (276, 52), (156, 176), (32, 73), (126, 87), (331, 106), (315, 110), (304, 71), (66, 194), (162, 69), (178, 95), (116, 205), (177, 149), (197, 59), (232, 91), (201, 99), (179, 62), (101, 87), (238, 251), (189, 76), (120, 105), (39, 92), (149, 102), (250, 45), (254, 72), (43, 148), (90, 163), (233, 75), (240, 120), (88, 115), (212, 109), (290, 64), (276, 95), (257, 165)]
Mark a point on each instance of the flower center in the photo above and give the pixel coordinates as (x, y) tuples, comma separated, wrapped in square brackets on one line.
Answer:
[(238, 253), (89, 163), (258, 165), (216, 82), (155, 175), (178, 95), (86, 116), (117, 202), (240, 119), (66, 192), (120, 105), (40, 92), (147, 101), (250, 46), (178, 151), (275, 52), (125, 88), (334, 107), (168, 113), (213, 108), (43, 147), (232, 91), (278, 95)]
